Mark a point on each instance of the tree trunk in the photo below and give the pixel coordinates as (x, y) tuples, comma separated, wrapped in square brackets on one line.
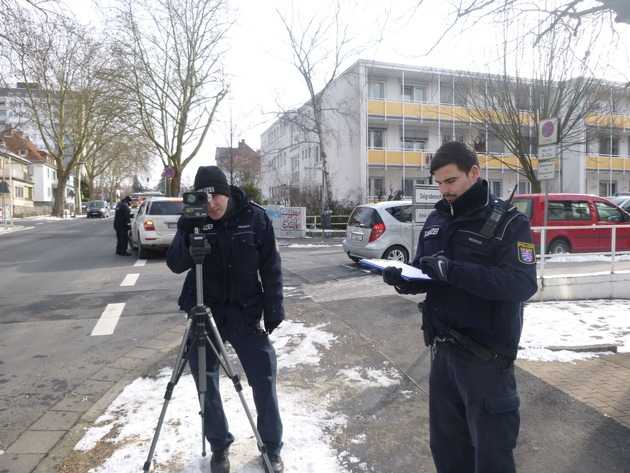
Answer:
[(536, 186), (60, 198), (90, 185), (175, 184)]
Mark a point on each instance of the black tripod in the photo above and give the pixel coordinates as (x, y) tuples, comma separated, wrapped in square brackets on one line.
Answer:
[(198, 318)]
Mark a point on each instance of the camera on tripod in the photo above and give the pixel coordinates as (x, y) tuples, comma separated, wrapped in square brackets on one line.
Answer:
[(195, 205)]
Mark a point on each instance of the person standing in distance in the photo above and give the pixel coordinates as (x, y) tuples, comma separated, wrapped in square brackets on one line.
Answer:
[(122, 224), (242, 282), (479, 252)]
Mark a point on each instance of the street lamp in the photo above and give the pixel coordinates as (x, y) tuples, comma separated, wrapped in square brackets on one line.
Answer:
[(78, 209)]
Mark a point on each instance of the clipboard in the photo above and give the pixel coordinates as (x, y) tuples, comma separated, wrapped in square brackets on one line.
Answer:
[(409, 273)]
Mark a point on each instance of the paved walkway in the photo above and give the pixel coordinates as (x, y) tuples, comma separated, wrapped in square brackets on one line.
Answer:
[(602, 383)]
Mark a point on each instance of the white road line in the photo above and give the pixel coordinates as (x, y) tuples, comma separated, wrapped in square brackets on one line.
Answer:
[(108, 320), (140, 262), (130, 280)]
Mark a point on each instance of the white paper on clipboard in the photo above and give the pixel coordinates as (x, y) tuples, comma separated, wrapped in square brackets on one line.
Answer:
[(410, 273)]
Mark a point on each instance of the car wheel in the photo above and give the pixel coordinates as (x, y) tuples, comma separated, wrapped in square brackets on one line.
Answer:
[(396, 253), (559, 247)]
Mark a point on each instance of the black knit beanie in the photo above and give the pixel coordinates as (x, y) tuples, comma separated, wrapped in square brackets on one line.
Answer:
[(211, 180)]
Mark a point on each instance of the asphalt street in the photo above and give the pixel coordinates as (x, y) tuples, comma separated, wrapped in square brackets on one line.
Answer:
[(60, 277)]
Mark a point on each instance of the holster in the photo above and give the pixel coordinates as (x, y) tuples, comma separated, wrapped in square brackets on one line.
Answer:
[(427, 328)]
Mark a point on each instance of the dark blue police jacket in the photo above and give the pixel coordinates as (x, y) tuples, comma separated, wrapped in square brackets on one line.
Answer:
[(490, 277), (242, 276)]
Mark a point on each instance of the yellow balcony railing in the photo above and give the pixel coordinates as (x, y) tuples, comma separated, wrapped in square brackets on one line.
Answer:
[(607, 121), (384, 157), (608, 163), (422, 111)]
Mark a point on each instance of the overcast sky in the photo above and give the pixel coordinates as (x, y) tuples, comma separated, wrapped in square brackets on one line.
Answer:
[(264, 82)]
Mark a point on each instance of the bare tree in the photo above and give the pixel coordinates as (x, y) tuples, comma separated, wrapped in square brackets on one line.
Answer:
[(315, 56), (171, 51), (65, 74), (568, 15), (509, 107), (123, 155)]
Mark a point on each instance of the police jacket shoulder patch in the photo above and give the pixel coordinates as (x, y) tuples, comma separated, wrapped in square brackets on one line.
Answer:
[(526, 252)]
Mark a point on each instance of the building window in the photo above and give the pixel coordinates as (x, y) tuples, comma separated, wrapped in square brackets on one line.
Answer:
[(607, 188), (377, 186), (413, 93), (609, 145), (497, 188), (376, 138), (19, 192), (524, 187), (495, 145), (414, 144), (376, 90)]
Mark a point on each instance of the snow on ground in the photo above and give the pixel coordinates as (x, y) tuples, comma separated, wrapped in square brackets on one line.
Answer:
[(585, 258), (574, 323), (12, 228), (130, 420), (370, 377)]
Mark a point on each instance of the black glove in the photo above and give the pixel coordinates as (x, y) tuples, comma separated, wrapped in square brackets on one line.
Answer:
[(271, 325), (186, 225), (391, 276), (436, 267)]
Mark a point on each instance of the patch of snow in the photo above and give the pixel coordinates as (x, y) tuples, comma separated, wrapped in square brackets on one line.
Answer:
[(574, 323), (130, 420), (296, 344), (370, 377), (585, 258)]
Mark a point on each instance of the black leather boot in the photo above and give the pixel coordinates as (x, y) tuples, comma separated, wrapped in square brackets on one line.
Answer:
[(220, 463)]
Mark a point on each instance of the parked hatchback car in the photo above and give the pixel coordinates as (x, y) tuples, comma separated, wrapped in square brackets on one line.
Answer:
[(569, 210), (383, 230), (98, 209), (155, 224)]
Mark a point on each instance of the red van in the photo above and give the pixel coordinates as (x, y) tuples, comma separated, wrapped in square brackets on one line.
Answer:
[(571, 210)]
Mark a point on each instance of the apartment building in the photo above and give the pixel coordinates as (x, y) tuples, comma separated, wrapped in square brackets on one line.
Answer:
[(382, 122)]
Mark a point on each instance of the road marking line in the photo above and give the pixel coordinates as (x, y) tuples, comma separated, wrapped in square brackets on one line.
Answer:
[(108, 320), (130, 280), (140, 262)]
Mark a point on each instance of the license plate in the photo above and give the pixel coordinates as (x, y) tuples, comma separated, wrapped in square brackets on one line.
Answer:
[(357, 236), (172, 225)]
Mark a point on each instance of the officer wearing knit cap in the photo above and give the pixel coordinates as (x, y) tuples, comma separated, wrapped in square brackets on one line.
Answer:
[(242, 281)]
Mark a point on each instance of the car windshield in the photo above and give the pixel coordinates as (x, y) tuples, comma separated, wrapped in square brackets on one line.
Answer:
[(97, 204), (364, 217), (165, 207)]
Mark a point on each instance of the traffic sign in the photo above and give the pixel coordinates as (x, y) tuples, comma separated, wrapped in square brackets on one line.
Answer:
[(168, 172), (548, 132), (546, 169), (547, 152), (424, 199)]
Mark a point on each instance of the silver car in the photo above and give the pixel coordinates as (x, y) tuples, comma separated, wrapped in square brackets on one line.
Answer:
[(155, 224), (384, 230)]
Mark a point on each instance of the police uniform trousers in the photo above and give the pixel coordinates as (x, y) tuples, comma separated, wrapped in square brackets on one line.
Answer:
[(474, 416), (122, 241), (258, 358)]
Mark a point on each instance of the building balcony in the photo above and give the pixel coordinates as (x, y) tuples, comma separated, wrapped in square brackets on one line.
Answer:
[(607, 163), (385, 157), (608, 121), (397, 109)]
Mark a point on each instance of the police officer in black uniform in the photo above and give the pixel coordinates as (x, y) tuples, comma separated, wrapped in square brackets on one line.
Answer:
[(478, 252), (122, 223), (242, 283)]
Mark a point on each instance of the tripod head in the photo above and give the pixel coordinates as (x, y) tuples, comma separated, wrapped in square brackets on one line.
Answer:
[(199, 247)]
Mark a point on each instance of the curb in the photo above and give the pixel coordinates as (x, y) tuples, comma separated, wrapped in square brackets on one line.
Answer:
[(43, 447)]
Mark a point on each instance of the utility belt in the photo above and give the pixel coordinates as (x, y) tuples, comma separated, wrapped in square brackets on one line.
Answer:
[(466, 343)]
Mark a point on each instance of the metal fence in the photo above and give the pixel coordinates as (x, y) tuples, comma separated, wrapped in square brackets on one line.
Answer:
[(612, 251), (338, 222)]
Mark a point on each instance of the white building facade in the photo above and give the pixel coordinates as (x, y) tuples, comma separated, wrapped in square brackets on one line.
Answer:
[(383, 122)]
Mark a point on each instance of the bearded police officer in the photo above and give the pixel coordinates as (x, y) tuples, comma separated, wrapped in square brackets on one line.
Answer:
[(478, 251), (242, 283)]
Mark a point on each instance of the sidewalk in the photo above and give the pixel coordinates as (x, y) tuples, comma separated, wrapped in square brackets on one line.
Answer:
[(602, 383)]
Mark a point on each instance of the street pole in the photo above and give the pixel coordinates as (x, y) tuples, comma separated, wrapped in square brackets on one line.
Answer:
[(11, 201), (231, 151)]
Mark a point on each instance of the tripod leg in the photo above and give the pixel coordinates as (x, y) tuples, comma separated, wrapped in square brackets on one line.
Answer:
[(180, 364), (202, 388)]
